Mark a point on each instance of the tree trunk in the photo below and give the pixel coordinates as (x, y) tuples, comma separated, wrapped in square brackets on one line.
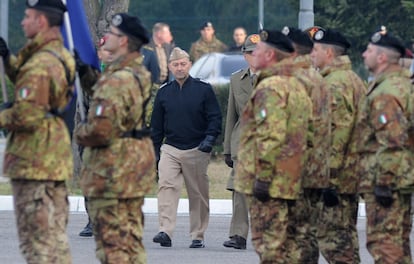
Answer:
[(99, 14)]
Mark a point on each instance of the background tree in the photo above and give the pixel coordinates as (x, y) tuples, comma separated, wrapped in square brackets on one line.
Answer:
[(100, 12), (359, 19), (186, 17)]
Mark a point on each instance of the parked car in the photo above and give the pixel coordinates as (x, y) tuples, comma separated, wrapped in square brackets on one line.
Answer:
[(216, 68)]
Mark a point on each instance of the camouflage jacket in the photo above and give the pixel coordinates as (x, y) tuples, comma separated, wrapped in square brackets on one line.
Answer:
[(201, 47), (115, 165), (273, 138), (316, 168), (347, 92), (383, 138), (38, 145)]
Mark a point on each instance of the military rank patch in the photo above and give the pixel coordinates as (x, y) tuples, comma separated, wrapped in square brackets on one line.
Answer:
[(382, 119), (99, 110), (24, 92)]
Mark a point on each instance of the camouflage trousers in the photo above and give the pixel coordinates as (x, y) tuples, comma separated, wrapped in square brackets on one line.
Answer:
[(388, 229), (337, 233), (41, 209), (118, 229), (306, 213), (270, 230)]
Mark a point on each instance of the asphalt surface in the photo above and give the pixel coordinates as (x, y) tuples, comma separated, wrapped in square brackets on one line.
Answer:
[(82, 249)]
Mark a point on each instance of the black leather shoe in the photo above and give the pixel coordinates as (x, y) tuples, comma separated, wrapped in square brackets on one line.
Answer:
[(87, 230), (236, 242), (197, 244), (163, 239)]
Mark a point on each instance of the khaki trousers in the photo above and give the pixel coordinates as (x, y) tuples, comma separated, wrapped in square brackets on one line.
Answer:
[(239, 224), (176, 167)]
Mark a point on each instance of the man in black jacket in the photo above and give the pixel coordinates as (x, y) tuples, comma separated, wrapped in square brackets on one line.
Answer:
[(187, 115)]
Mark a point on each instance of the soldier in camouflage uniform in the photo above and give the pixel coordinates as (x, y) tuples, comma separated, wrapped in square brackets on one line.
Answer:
[(118, 161), (272, 147), (384, 141), (38, 154), (206, 43), (307, 208), (337, 234)]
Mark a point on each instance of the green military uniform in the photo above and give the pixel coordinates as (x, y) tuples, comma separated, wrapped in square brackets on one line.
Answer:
[(315, 176), (387, 160), (201, 47), (274, 128), (118, 162), (38, 156), (117, 170), (337, 234)]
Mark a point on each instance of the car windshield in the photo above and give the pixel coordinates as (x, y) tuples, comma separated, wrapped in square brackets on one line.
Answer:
[(231, 64)]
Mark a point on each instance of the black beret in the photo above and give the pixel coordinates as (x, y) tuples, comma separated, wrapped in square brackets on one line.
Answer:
[(332, 37), (298, 36), (131, 26), (55, 6), (384, 39), (277, 39), (206, 24)]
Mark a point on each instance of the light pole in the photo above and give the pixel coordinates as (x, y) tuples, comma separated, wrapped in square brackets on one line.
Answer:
[(4, 19), (261, 23), (306, 15)]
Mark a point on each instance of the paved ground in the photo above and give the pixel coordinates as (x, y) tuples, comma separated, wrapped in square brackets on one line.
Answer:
[(179, 253)]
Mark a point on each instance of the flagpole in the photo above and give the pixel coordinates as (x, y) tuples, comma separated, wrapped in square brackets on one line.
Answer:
[(77, 80)]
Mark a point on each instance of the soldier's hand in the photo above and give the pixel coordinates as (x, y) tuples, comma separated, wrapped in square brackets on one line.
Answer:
[(81, 67), (207, 144), (261, 190), (5, 106), (228, 160), (330, 197), (4, 50), (383, 195)]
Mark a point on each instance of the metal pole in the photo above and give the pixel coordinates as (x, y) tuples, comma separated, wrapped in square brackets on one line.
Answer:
[(3, 81), (261, 22), (77, 80), (4, 19), (306, 15)]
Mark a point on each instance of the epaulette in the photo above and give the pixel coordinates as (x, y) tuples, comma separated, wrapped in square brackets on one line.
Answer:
[(237, 71), (198, 79), (165, 84), (148, 48)]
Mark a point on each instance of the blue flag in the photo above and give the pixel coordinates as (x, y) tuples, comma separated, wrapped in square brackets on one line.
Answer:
[(81, 34)]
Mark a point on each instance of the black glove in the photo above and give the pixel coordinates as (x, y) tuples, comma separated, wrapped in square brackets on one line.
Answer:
[(330, 197), (81, 67), (157, 156), (207, 144), (261, 190), (4, 50), (228, 160), (383, 195), (5, 106)]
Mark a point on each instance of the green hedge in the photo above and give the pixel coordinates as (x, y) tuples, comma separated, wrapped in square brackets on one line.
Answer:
[(222, 94)]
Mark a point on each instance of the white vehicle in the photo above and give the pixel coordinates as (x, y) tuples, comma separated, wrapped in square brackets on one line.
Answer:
[(216, 68)]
